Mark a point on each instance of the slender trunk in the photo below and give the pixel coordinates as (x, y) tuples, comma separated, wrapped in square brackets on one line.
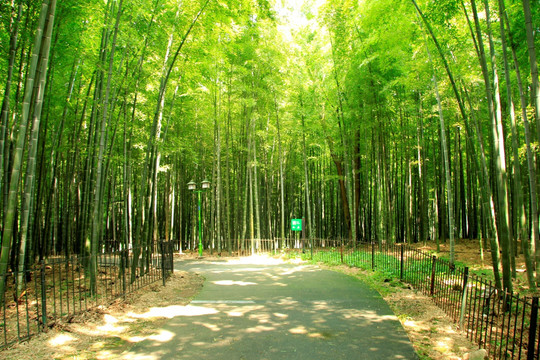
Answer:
[(343, 191), (520, 221), (306, 183), (534, 70), (488, 204), (255, 182), (127, 242), (281, 181), (11, 205), (379, 194), (4, 115), (33, 146), (218, 168), (446, 171), (421, 177), (268, 186), (533, 264), (98, 195), (251, 221), (228, 202), (444, 147), (347, 160), (498, 142)]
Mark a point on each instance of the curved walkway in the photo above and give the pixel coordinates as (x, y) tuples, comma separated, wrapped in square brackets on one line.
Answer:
[(248, 310)]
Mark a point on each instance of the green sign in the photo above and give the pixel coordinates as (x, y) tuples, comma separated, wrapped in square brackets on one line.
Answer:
[(296, 224)]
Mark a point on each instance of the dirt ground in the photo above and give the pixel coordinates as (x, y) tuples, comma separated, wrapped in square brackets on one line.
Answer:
[(478, 260), (106, 332)]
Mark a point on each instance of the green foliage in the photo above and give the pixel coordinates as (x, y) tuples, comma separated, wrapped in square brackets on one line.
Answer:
[(358, 75)]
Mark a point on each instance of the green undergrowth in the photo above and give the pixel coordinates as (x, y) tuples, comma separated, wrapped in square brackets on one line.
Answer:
[(416, 270)]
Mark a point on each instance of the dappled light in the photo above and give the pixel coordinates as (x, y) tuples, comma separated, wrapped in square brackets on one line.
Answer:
[(281, 316), (140, 357), (287, 302), (231, 282), (162, 336), (371, 316), (295, 270), (242, 310), (110, 325), (241, 313), (299, 330), (61, 340), (244, 307), (173, 311), (256, 260), (211, 327), (260, 329), (441, 338), (137, 133)]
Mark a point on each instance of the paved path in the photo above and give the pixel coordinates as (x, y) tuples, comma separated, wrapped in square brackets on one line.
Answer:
[(277, 311)]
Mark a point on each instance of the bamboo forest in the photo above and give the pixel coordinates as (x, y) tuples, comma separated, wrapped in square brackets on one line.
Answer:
[(385, 122)]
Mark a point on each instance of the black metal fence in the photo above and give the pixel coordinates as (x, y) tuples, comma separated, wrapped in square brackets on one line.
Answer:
[(62, 287), (504, 324)]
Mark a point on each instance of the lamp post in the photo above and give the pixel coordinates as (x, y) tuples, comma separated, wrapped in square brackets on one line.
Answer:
[(193, 187)]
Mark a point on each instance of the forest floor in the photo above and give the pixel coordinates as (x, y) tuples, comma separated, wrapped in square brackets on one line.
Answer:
[(469, 253), (107, 332)]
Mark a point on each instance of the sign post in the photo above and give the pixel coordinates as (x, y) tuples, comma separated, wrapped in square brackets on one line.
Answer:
[(296, 224)]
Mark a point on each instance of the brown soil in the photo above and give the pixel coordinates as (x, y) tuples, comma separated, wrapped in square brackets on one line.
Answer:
[(106, 332), (479, 260)]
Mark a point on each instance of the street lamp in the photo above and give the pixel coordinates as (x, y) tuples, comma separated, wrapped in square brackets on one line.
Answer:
[(193, 187)]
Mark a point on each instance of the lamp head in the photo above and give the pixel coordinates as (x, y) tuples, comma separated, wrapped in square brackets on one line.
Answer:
[(206, 184)]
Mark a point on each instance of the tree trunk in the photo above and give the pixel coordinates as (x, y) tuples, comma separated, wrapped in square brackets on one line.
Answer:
[(281, 181), (11, 205), (98, 195), (530, 248), (218, 162), (4, 115), (27, 201), (534, 71), (499, 155), (444, 147), (255, 181), (519, 213), (421, 176), (309, 228)]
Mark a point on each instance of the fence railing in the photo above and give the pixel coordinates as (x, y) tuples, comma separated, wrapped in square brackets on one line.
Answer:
[(61, 287), (504, 324)]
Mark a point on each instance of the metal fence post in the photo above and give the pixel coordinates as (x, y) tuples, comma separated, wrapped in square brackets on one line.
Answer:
[(432, 288), (532, 329), (125, 266), (163, 261)]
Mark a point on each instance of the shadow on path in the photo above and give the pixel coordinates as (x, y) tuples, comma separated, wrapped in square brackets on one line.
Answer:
[(248, 310)]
